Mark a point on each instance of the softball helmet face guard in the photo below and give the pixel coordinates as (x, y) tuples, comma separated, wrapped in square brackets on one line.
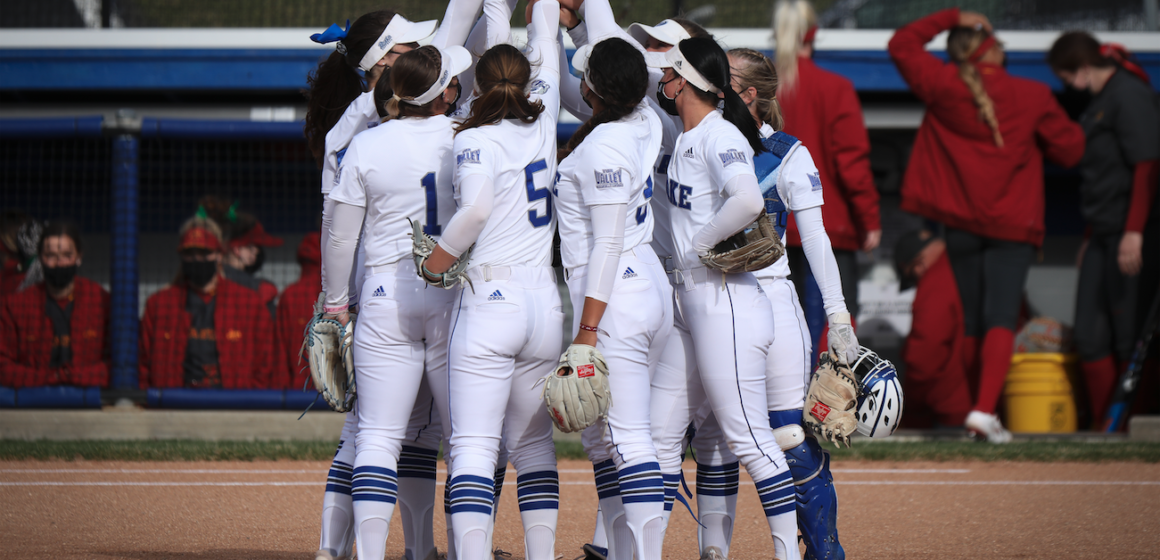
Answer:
[(880, 400)]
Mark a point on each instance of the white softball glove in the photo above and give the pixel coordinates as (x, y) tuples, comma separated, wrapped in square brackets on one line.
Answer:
[(577, 393)]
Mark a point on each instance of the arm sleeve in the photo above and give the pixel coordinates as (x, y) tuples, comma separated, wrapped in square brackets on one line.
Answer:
[(1143, 193), (570, 87), (477, 195), (1061, 139), (742, 205), (819, 253), (457, 23), (600, 23), (339, 258), (908, 50), (579, 35), (608, 244), (850, 147), (542, 53), (800, 184)]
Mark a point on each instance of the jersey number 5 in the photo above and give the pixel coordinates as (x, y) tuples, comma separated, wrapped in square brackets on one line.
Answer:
[(642, 210), (535, 194), (432, 228)]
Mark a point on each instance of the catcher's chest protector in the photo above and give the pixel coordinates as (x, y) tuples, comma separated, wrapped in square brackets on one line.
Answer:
[(768, 167)]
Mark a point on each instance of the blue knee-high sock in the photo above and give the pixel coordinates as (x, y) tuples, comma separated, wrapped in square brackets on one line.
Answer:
[(778, 499), (471, 499), (642, 491), (717, 504), (417, 466), (539, 498), (373, 491), (337, 512)]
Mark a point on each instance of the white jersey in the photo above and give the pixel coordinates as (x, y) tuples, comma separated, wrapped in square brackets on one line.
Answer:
[(662, 241), (359, 116), (520, 160), (399, 170), (612, 166), (799, 187), (704, 160)]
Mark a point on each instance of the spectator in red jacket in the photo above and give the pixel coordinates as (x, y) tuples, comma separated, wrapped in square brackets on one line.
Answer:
[(1122, 125), (936, 384), (19, 235), (977, 167), (245, 241), (55, 331), (205, 331), (822, 110), (295, 308)]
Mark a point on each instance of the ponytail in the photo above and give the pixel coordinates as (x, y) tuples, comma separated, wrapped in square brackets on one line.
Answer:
[(336, 83), (706, 56), (502, 77), (757, 71), (620, 76), (961, 46), (384, 96), (793, 20)]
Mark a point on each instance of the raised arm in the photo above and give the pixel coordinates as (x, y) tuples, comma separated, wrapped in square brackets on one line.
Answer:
[(908, 50), (457, 23)]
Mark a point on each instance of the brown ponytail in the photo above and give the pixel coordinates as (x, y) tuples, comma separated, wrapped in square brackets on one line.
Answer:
[(961, 44), (502, 76), (757, 71), (411, 76), (336, 82)]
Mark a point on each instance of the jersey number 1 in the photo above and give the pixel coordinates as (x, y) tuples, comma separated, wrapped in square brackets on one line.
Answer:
[(432, 228), (535, 194)]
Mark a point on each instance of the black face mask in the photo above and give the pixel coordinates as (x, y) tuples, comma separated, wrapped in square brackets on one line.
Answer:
[(669, 105), (57, 277), (454, 105), (259, 260), (198, 273)]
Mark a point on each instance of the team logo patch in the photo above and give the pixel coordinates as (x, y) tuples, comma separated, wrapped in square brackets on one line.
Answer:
[(386, 41), (467, 156), (628, 273), (538, 87), (815, 181), (820, 411), (444, 78), (586, 370), (233, 335), (379, 292), (608, 178), (729, 157), (495, 296), (688, 153)]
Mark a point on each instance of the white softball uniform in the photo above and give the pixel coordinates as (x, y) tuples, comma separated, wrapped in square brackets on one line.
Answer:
[(506, 328)]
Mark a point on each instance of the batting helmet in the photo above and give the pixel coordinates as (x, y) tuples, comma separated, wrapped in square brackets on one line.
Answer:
[(880, 401)]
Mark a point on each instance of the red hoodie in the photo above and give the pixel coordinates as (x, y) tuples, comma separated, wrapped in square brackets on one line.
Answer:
[(823, 112), (957, 175)]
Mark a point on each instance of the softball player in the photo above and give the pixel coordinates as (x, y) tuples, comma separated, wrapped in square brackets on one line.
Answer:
[(727, 317), (789, 182), (616, 282), (506, 328)]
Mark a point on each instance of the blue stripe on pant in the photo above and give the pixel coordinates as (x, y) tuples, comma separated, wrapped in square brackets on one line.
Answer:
[(538, 490), (672, 487), (376, 484), (777, 494), (472, 494), (718, 480), (417, 462), (607, 479), (338, 479), (641, 483)]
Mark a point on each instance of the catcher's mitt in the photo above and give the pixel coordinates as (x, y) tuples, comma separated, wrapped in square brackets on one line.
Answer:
[(422, 245), (831, 401), (753, 248), (577, 393), (327, 345)]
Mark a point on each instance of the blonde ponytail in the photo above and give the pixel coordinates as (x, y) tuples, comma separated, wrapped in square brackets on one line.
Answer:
[(754, 70), (961, 44), (792, 19)]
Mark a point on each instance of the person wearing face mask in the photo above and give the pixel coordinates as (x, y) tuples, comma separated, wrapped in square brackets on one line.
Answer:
[(205, 331), (55, 331), (1122, 126)]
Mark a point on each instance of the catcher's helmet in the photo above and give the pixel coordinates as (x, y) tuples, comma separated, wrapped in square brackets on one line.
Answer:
[(880, 400)]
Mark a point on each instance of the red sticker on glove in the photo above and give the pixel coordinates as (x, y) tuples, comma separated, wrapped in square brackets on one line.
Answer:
[(820, 411), (587, 370)]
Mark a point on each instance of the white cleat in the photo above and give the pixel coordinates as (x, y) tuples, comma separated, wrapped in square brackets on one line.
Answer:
[(988, 425), (712, 553)]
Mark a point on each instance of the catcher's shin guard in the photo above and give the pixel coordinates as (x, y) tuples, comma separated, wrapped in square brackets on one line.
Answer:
[(817, 501)]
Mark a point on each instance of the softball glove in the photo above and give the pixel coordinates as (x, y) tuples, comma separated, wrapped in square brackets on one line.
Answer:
[(577, 393), (327, 345), (753, 248), (831, 402), (422, 245)]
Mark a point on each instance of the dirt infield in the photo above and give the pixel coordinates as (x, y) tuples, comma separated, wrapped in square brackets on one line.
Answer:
[(270, 510)]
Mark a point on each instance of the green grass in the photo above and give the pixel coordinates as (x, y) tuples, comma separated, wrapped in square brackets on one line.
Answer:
[(187, 450)]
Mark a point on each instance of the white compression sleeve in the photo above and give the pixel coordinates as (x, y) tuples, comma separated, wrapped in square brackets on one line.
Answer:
[(608, 244), (457, 23), (570, 87), (601, 23), (819, 253), (338, 258), (742, 205), (475, 202), (579, 35)]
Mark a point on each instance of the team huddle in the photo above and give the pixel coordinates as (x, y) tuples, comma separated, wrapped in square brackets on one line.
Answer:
[(444, 190)]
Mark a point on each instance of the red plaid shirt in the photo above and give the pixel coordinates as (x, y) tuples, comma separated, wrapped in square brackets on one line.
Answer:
[(27, 334), (295, 310), (10, 277), (242, 327)]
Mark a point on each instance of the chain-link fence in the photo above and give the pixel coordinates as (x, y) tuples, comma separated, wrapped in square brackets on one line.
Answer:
[(1121, 15)]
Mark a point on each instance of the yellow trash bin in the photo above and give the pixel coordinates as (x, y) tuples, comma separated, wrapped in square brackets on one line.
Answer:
[(1038, 393)]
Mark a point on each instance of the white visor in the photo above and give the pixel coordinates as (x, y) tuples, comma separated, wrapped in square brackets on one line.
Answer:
[(400, 30), (452, 61), (667, 31), (676, 60), (580, 63)]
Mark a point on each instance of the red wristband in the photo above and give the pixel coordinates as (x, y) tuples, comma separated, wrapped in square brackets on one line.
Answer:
[(584, 327)]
